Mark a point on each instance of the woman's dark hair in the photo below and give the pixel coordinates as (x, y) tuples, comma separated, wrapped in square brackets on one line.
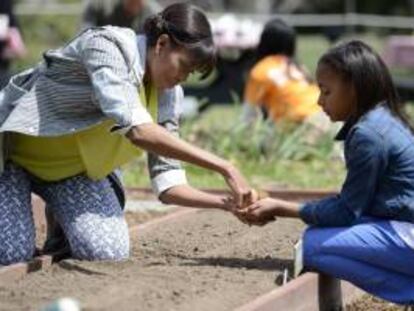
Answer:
[(188, 27), (277, 38), (357, 63)]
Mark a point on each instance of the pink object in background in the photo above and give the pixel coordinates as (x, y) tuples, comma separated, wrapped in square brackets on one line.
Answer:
[(15, 47), (399, 51)]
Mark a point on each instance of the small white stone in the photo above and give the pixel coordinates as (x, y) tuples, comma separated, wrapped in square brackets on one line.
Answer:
[(63, 304)]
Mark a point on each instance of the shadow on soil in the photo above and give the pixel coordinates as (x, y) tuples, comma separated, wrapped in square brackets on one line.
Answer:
[(267, 264)]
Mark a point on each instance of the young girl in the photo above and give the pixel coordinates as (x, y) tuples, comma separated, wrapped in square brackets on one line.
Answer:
[(68, 123), (277, 86), (365, 234)]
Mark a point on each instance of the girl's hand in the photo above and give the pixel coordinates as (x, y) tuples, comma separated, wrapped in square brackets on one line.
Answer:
[(231, 206), (260, 212), (237, 210)]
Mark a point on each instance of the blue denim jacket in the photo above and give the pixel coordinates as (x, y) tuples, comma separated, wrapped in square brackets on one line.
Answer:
[(379, 155)]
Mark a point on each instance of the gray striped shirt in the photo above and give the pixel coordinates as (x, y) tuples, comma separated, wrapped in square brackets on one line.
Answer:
[(92, 78)]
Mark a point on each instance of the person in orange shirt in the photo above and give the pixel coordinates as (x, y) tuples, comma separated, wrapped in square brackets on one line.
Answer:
[(278, 87)]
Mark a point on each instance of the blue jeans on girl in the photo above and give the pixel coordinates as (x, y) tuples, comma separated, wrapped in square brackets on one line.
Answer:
[(369, 254)]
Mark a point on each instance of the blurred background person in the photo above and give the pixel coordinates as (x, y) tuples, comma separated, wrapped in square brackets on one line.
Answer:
[(123, 13), (278, 88), (11, 43)]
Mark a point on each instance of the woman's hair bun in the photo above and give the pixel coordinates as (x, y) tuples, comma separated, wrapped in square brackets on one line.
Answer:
[(154, 25)]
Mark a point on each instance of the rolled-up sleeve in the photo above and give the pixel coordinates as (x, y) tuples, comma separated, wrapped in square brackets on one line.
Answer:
[(165, 172), (366, 161), (113, 81)]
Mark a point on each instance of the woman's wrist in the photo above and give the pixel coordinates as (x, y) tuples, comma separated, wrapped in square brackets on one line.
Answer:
[(224, 167), (221, 202)]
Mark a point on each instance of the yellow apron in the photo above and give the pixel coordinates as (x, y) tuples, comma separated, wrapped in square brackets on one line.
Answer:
[(95, 151)]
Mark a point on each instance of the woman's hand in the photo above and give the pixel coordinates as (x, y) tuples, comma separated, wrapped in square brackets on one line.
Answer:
[(244, 195), (156, 139)]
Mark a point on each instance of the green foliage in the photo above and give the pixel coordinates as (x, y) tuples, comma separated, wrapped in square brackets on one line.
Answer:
[(285, 156), (43, 32), (260, 140)]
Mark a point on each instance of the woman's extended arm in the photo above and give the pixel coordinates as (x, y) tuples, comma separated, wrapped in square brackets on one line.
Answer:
[(187, 195), (156, 139), (118, 100)]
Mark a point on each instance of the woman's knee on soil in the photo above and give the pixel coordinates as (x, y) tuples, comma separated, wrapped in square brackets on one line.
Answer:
[(17, 232), (96, 238), (16, 250)]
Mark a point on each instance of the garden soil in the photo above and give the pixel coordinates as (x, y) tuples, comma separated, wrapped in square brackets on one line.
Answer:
[(370, 303), (202, 261)]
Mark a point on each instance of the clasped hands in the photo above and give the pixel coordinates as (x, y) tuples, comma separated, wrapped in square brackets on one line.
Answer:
[(254, 210)]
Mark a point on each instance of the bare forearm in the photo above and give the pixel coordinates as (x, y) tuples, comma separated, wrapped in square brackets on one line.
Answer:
[(186, 195), (268, 209), (287, 209), (156, 139)]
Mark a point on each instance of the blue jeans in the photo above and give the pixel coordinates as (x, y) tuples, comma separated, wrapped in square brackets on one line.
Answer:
[(88, 211), (370, 255)]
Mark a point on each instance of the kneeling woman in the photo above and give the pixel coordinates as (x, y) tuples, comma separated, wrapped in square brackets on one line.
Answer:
[(71, 121)]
